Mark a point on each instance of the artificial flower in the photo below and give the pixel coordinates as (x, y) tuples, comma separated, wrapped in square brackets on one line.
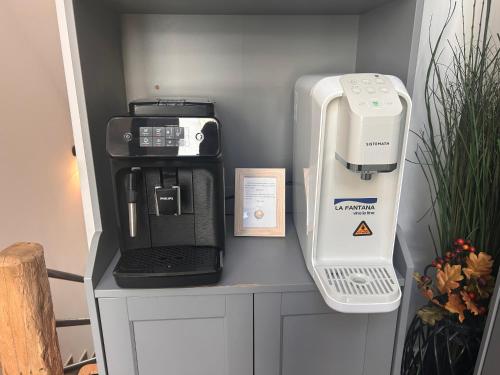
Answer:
[(448, 278), (479, 265), (455, 305), (469, 303)]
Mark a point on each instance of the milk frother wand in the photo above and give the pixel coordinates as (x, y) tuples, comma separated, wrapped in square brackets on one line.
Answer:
[(131, 191)]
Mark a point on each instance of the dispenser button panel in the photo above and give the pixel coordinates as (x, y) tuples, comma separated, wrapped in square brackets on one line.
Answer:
[(371, 94), (163, 136)]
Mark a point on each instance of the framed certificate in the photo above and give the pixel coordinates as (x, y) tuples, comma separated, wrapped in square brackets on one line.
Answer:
[(259, 207)]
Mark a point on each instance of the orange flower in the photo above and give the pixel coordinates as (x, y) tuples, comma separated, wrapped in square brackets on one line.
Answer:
[(478, 265), (469, 303), (447, 278), (455, 306)]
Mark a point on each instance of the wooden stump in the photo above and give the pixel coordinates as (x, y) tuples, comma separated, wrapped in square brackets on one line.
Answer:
[(28, 338), (88, 370)]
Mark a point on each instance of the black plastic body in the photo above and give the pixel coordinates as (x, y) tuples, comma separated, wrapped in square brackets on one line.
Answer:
[(123, 139), (131, 187), (172, 107), (168, 200), (201, 224)]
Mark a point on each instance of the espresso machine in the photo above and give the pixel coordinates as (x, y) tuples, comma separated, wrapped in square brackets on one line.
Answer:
[(350, 135), (168, 180)]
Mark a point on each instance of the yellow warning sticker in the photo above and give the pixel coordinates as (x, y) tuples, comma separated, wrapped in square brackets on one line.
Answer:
[(362, 230)]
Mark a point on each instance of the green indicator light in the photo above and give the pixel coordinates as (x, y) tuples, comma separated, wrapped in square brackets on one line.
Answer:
[(376, 103)]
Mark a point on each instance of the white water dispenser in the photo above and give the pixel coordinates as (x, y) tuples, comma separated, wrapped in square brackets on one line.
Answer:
[(350, 134)]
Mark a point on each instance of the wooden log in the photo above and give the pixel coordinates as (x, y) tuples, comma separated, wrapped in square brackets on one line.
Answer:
[(88, 370), (28, 338)]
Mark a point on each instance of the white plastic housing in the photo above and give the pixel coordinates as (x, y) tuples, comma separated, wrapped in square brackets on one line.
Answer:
[(354, 273), (369, 121)]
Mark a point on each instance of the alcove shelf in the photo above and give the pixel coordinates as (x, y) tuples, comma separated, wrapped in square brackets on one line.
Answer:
[(255, 7), (251, 265), (246, 56)]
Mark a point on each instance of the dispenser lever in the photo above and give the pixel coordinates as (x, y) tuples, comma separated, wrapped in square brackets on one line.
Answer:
[(131, 191)]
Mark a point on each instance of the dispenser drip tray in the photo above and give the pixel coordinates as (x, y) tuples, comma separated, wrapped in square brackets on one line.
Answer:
[(171, 266), (367, 288)]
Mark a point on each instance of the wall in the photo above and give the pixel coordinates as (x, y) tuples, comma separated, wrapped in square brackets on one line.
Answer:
[(384, 47), (40, 196), (247, 64)]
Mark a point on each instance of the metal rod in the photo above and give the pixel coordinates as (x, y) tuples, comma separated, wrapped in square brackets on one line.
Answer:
[(78, 365), (132, 219), (72, 322), (54, 274)]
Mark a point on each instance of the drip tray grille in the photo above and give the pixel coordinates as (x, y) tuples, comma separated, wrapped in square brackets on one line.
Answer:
[(170, 260), (172, 266), (366, 281)]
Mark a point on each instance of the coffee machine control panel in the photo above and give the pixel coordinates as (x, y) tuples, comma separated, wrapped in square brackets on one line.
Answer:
[(163, 137)]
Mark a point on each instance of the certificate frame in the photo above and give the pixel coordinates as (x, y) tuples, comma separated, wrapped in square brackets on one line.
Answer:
[(241, 228)]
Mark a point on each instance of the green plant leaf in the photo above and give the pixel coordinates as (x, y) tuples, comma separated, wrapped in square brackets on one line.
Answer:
[(459, 148)]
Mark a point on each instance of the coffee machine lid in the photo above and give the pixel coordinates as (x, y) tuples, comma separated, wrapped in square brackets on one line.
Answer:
[(174, 107)]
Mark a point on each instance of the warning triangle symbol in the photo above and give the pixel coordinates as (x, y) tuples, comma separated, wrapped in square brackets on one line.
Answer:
[(362, 230)]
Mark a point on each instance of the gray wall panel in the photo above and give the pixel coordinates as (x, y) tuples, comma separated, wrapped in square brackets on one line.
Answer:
[(296, 333), (183, 346), (178, 307), (194, 335), (239, 334), (324, 344), (385, 39), (492, 361), (381, 329), (117, 335), (246, 7), (99, 35), (301, 303), (267, 333), (247, 64), (488, 360)]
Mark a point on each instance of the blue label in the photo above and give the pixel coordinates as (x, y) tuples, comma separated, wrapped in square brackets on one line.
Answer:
[(356, 200)]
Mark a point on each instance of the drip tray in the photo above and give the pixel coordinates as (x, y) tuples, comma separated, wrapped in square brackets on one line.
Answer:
[(367, 288), (172, 266)]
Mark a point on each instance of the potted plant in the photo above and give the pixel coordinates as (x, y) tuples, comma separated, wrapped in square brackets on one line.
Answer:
[(459, 154), (445, 335)]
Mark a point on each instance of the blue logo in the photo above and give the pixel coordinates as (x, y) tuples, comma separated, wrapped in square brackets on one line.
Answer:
[(356, 200)]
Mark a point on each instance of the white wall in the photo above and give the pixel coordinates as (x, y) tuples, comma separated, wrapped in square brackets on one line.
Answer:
[(40, 197), (415, 199)]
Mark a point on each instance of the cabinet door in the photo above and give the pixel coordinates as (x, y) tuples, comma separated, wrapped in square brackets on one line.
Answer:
[(181, 335), (297, 333)]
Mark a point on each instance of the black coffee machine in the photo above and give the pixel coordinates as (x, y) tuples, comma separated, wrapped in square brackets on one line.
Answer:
[(168, 179)]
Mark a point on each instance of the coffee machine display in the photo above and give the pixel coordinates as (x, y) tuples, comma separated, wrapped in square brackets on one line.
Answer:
[(168, 182)]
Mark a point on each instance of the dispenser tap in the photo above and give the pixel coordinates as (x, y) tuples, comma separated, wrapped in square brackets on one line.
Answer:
[(168, 200), (366, 176), (131, 191)]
